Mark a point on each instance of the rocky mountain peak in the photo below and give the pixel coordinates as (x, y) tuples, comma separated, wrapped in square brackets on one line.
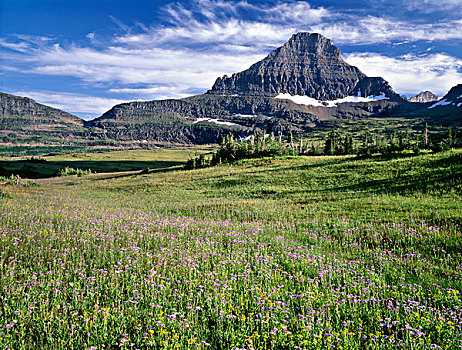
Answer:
[(423, 97), (309, 64), (305, 46)]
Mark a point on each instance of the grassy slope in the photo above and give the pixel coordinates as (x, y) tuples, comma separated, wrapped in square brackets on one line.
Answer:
[(282, 240)]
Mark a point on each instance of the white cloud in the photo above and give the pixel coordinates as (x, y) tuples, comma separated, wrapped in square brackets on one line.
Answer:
[(160, 92), (429, 6), (410, 74), (133, 65), (72, 103), (375, 30), (18, 46)]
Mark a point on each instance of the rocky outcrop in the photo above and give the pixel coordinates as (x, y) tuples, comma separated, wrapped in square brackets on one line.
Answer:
[(140, 112), (375, 86), (308, 65), (424, 97)]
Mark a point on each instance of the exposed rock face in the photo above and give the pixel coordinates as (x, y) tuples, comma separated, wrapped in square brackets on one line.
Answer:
[(375, 87), (424, 97), (308, 65), (141, 111)]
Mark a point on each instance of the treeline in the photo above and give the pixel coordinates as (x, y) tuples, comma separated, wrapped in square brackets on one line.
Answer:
[(261, 145), (392, 145)]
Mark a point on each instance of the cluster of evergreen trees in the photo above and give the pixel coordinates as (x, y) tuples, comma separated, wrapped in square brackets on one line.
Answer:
[(258, 145), (261, 145), (404, 143)]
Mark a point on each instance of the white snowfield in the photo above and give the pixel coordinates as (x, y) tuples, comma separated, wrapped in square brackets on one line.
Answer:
[(440, 103), (250, 115), (244, 115), (215, 121), (247, 138), (309, 101)]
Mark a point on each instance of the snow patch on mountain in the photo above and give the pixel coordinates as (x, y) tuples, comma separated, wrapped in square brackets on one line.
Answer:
[(309, 101), (215, 121), (251, 115), (440, 103)]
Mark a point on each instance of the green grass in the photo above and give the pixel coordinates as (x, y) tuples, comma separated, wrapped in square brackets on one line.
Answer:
[(283, 253), (98, 162)]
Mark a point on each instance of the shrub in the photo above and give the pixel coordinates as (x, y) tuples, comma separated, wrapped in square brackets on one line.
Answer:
[(12, 180), (68, 171)]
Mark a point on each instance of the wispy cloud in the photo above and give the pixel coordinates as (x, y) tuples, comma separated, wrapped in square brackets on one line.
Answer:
[(162, 92), (431, 6), (378, 30), (137, 65), (410, 74)]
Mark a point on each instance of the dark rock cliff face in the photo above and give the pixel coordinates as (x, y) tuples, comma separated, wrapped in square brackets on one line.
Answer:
[(375, 86), (142, 111), (424, 97), (308, 65)]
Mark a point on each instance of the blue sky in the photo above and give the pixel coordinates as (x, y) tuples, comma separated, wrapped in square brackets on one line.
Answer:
[(86, 56)]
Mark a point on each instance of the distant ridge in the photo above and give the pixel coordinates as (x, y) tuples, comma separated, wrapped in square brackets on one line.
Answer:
[(24, 111)]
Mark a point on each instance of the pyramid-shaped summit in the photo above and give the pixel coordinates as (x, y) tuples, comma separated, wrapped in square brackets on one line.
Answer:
[(309, 64)]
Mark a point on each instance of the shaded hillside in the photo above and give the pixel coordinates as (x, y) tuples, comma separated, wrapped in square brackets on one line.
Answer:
[(447, 111), (26, 123), (31, 128), (24, 113)]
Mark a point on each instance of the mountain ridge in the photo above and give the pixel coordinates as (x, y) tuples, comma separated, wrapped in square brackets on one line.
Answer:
[(12, 106), (293, 68)]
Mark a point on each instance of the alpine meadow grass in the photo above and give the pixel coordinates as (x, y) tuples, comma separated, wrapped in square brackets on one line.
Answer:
[(274, 253)]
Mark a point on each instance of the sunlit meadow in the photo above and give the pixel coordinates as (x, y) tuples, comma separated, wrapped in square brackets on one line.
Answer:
[(287, 253)]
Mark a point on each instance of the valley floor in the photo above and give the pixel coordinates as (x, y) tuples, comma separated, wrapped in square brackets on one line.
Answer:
[(284, 253)]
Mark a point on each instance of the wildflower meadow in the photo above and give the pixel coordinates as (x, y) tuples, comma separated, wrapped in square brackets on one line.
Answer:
[(275, 253)]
